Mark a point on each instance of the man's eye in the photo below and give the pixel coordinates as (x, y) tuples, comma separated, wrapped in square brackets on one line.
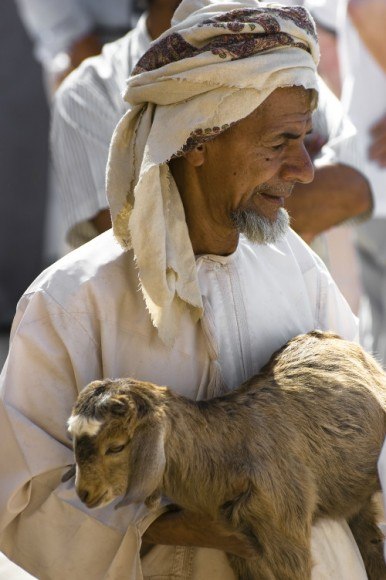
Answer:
[(115, 449), (277, 147)]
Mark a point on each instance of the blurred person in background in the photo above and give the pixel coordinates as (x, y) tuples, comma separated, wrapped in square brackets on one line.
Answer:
[(361, 43), (85, 111), (64, 34)]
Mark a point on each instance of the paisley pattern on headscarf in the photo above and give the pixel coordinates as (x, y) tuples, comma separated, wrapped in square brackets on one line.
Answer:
[(253, 31)]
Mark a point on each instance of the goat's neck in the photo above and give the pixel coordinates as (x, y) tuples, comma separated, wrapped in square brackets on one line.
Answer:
[(191, 439), (187, 416)]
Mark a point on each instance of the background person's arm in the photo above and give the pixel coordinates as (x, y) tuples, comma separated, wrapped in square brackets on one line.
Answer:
[(337, 193), (369, 18), (377, 151), (84, 115), (62, 35)]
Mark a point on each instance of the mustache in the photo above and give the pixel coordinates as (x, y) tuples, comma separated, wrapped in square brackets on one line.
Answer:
[(279, 189)]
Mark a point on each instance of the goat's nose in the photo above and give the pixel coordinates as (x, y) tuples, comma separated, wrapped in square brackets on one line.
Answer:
[(83, 494)]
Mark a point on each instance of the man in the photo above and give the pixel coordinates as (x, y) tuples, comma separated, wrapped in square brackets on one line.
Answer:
[(210, 148)]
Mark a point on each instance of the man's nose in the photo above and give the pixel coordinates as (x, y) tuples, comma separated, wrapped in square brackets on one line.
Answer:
[(298, 166)]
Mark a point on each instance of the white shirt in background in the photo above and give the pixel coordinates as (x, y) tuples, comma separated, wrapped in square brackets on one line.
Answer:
[(56, 24), (86, 110)]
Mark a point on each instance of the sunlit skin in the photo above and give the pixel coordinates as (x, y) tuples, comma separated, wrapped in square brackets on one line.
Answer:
[(253, 165)]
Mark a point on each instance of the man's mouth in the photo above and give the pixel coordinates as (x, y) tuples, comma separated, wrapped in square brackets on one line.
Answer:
[(281, 193), (276, 199)]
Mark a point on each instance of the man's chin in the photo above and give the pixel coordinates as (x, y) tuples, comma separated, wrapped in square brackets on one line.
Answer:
[(260, 229)]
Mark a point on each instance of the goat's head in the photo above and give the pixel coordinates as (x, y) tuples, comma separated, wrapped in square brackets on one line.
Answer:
[(118, 434)]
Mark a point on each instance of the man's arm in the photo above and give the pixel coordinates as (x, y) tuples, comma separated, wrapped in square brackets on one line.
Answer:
[(38, 385), (182, 528), (337, 193), (62, 34), (54, 25), (52, 355)]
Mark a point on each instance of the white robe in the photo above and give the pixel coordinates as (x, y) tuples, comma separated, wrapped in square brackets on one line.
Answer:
[(84, 318)]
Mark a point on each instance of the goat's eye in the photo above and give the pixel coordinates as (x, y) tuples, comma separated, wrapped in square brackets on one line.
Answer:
[(115, 449)]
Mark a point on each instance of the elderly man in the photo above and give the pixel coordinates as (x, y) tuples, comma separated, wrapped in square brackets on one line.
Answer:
[(207, 283)]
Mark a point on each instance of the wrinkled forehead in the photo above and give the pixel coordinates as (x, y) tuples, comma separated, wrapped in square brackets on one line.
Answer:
[(287, 110), (286, 105)]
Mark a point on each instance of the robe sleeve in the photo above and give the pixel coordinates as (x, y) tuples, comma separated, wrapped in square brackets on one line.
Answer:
[(44, 528)]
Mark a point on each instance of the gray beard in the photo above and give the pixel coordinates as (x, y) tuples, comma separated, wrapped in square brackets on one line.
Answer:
[(259, 229)]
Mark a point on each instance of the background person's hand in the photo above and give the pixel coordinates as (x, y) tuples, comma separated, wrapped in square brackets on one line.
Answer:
[(377, 151), (314, 144)]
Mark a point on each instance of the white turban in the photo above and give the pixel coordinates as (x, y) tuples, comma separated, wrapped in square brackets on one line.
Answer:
[(214, 66)]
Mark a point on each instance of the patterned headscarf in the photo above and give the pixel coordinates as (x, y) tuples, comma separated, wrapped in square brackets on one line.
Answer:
[(214, 66)]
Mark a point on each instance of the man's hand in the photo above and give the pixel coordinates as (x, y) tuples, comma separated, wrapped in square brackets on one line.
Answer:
[(314, 144), (183, 528), (377, 151), (102, 221)]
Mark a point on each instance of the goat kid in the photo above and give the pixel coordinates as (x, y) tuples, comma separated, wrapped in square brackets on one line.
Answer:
[(298, 442)]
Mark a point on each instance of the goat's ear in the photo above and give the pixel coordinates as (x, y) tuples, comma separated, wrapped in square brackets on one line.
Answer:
[(119, 405), (147, 462)]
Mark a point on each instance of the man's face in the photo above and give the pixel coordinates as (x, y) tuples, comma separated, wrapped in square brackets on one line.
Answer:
[(248, 171)]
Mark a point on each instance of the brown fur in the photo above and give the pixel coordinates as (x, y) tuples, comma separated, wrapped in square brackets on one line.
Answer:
[(297, 442)]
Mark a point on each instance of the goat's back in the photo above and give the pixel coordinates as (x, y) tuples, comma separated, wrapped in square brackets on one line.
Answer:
[(322, 400)]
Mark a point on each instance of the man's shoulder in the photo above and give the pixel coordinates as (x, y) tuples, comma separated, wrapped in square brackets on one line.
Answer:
[(97, 268), (103, 75)]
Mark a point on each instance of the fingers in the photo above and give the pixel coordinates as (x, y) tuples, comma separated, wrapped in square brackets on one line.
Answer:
[(314, 144), (377, 150), (69, 474)]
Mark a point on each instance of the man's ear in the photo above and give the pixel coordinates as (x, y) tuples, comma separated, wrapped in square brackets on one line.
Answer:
[(196, 156)]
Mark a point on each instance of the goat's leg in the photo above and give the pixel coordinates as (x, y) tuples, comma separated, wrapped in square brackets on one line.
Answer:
[(280, 554), (369, 538), (283, 542), (284, 558), (249, 569)]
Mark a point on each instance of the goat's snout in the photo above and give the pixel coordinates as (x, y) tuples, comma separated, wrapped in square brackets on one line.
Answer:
[(83, 495), (93, 499)]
